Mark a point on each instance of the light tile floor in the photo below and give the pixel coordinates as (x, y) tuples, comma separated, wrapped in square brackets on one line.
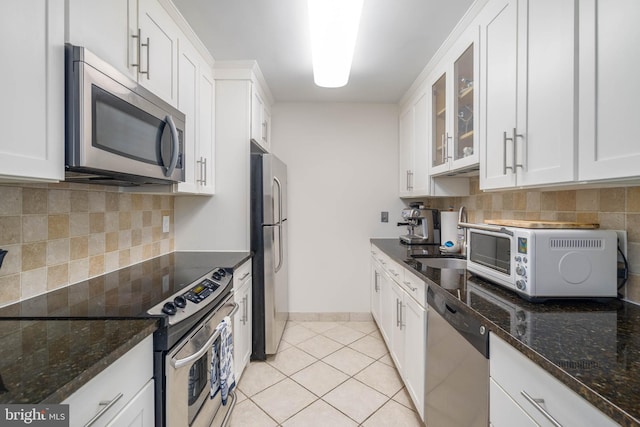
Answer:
[(325, 374)]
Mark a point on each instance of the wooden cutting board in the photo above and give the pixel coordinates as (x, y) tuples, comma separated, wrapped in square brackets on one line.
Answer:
[(540, 224)]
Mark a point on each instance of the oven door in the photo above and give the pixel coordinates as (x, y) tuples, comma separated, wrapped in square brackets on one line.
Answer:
[(188, 373), (489, 254)]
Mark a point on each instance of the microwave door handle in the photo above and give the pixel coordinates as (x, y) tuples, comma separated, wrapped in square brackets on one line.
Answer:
[(174, 155), (494, 228)]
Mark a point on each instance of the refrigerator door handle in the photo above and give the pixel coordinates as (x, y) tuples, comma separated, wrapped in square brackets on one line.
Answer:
[(277, 219), (280, 250)]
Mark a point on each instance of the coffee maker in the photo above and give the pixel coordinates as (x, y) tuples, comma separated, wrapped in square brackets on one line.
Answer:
[(423, 225)]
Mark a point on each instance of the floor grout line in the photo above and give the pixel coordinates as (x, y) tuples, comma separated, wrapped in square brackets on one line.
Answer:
[(373, 334)]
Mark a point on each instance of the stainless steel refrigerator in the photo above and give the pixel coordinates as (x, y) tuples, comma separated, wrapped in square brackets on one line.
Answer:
[(269, 247)]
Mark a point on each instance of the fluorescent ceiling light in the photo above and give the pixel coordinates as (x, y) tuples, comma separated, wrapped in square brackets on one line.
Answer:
[(334, 28)]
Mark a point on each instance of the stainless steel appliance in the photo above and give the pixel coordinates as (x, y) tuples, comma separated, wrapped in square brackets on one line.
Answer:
[(269, 245), (183, 351), (457, 371), (545, 263), (117, 132), (423, 225)]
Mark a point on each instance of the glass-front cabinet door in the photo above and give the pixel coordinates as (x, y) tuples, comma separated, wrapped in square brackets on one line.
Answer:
[(463, 145), (454, 137), (439, 126)]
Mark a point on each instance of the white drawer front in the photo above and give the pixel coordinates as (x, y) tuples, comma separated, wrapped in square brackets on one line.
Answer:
[(241, 274), (520, 377), (415, 287), (125, 376), (503, 411)]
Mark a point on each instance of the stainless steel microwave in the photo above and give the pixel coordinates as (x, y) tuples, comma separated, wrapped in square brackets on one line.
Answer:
[(540, 264), (117, 132)]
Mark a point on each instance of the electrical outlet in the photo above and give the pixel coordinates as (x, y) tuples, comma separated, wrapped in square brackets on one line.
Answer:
[(384, 216), (165, 224)]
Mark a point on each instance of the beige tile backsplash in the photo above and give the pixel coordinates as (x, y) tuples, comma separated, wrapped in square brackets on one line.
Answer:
[(612, 208), (60, 234)]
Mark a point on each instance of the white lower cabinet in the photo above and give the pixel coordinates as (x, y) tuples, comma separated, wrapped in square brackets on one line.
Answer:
[(139, 412), (121, 395), (402, 321), (242, 329), (415, 347), (522, 393)]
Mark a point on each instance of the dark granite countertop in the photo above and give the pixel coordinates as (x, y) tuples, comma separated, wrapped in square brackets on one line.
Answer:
[(52, 344), (45, 361), (592, 347)]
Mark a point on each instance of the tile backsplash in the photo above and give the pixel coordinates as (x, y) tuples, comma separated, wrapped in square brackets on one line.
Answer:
[(613, 208), (60, 234)]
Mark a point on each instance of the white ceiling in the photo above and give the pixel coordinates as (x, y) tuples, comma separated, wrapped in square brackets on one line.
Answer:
[(396, 40)]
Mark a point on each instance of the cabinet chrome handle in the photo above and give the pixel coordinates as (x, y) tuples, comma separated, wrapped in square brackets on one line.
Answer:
[(401, 315), (397, 312), (410, 287), (137, 37), (515, 136), (107, 405), (265, 131), (204, 168), (148, 46), (407, 180), (504, 152), (376, 286), (200, 162), (410, 186), (244, 276), (537, 403), (442, 141)]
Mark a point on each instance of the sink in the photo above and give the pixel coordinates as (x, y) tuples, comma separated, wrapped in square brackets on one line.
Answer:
[(455, 263)]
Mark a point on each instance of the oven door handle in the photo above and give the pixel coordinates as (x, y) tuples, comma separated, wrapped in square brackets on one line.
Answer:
[(179, 363)]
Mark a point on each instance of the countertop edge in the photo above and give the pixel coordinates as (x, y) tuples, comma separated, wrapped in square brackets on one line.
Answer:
[(91, 372), (603, 404)]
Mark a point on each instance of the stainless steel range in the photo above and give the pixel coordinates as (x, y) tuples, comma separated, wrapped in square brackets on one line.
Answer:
[(183, 348)]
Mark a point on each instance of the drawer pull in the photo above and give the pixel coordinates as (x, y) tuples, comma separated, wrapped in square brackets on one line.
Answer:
[(244, 276), (537, 404), (107, 406), (410, 287)]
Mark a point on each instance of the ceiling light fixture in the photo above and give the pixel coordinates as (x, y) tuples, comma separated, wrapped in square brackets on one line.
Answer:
[(334, 28)]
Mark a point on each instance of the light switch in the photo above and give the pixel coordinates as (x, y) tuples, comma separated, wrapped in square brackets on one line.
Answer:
[(384, 216)]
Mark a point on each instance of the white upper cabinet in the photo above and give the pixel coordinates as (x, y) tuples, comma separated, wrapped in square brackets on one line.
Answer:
[(106, 29), (609, 88), (196, 99), (206, 131), (138, 37), (528, 92), (260, 120), (158, 50), (32, 88), (413, 156), (453, 140)]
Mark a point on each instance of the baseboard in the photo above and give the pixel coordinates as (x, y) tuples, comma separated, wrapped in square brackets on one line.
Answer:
[(331, 317)]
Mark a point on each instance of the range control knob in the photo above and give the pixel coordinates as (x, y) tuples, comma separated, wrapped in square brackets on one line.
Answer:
[(221, 272), (169, 308), (216, 275), (520, 271), (180, 301), (521, 284)]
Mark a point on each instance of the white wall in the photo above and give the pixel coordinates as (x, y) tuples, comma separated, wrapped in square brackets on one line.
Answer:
[(342, 172)]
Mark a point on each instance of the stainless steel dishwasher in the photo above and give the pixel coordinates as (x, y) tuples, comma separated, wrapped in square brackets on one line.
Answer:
[(457, 371)]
